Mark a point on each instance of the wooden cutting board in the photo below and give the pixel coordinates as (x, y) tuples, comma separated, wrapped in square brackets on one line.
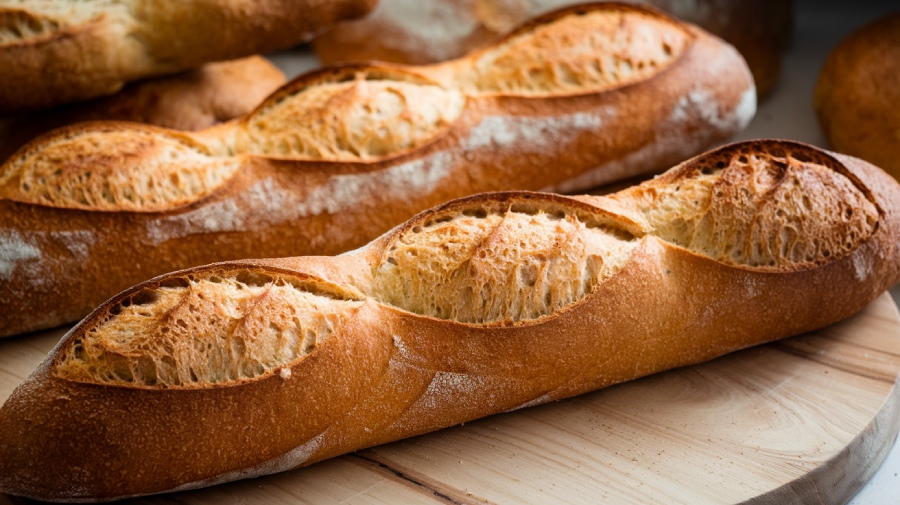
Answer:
[(807, 419)]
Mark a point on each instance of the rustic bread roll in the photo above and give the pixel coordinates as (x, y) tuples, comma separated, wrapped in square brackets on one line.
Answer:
[(410, 31), (59, 51), (192, 100), (857, 95), (483, 305), (339, 156)]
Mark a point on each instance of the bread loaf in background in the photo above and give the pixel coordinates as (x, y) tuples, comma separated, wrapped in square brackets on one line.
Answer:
[(857, 97), (414, 32), (54, 52), (341, 155), (486, 304), (192, 100)]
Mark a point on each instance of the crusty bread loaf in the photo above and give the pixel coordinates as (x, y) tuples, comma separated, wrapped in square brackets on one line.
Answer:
[(857, 96), (486, 304), (415, 32), (339, 156), (59, 51), (193, 100)]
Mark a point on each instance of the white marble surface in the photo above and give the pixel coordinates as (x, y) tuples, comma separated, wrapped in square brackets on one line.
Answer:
[(786, 113)]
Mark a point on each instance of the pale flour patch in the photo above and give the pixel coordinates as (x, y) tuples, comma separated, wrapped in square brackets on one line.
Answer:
[(433, 28), (702, 105), (535, 402), (670, 146), (267, 203), (532, 134), (451, 387), (14, 250), (291, 459), (78, 242), (862, 265), (394, 183)]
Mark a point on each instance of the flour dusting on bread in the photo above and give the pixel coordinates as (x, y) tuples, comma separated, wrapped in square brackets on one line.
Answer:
[(13, 250)]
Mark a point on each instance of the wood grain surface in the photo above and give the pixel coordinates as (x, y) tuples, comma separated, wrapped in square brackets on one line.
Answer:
[(803, 420)]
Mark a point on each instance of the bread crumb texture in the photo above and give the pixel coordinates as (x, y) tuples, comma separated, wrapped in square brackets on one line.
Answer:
[(503, 259), (587, 52), (779, 209), (344, 114), (358, 119), (201, 330), (125, 168), (485, 265)]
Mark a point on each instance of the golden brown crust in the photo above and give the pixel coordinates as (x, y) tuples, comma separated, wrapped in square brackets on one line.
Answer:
[(384, 372), (858, 94), (426, 32), (59, 52), (69, 247)]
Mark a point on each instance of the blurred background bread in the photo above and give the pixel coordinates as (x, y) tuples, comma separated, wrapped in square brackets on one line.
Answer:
[(191, 100), (59, 51), (413, 31), (857, 96)]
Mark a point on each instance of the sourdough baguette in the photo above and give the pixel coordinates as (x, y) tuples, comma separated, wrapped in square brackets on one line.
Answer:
[(414, 32), (59, 51), (486, 304), (332, 160), (193, 100)]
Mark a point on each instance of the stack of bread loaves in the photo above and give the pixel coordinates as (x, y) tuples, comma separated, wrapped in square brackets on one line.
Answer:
[(303, 301), (576, 98)]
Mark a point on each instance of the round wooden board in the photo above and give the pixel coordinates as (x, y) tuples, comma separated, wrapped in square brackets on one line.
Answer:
[(805, 420)]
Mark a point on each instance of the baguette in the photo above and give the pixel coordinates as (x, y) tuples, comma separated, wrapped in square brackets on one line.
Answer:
[(486, 304), (414, 32), (60, 51), (193, 100), (339, 156)]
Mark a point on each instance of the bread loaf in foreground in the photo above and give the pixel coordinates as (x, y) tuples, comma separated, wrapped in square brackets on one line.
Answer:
[(578, 98), (193, 100), (416, 32), (486, 304), (54, 52)]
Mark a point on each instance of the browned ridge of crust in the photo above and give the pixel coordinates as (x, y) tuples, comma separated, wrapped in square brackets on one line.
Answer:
[(488, 303), (339, 156), (55, 52)]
